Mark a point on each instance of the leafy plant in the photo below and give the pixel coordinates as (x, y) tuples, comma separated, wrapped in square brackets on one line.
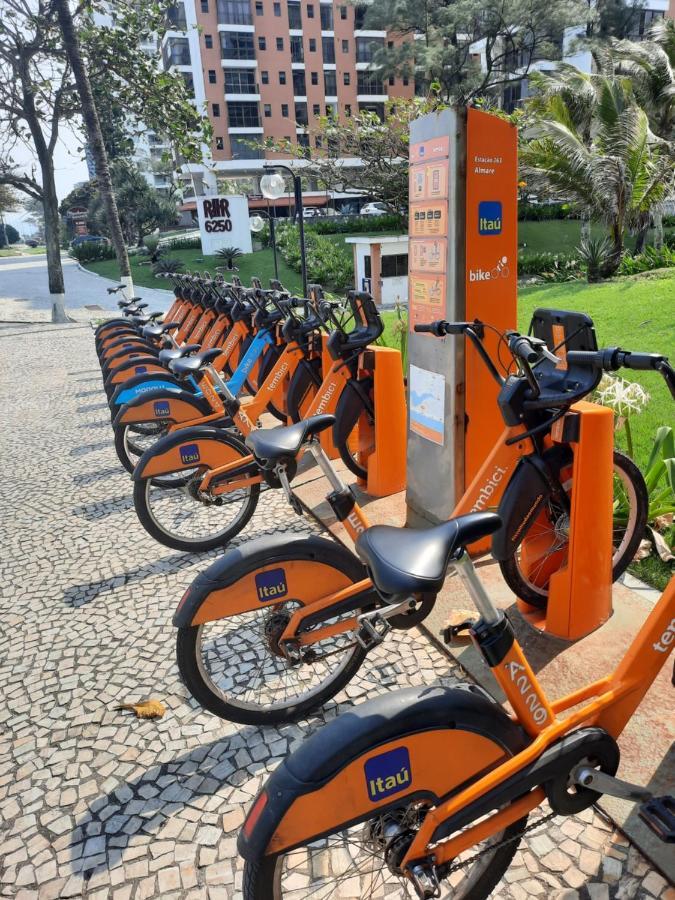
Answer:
[(650, 258), (183, 243), (625, 399), (230, 255), (355, 224), (400, 332), (168, 265), (596, 254), (539, 263), (92, 251), (660, 475)]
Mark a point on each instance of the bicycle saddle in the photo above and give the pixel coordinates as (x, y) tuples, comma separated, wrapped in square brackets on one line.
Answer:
[(194, 363), (274, 444), (152, 331), (168, 355), (404, 561)]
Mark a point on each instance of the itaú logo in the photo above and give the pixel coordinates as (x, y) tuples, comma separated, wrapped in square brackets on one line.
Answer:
[(488, 489), (388, 773), (325, 397), (278, 377)]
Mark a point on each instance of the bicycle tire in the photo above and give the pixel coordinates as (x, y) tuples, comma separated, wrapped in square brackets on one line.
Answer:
[(537, 596)]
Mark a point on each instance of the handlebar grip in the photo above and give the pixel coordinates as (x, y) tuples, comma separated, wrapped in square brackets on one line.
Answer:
[(641, 361), (437, 328), (523, 349)]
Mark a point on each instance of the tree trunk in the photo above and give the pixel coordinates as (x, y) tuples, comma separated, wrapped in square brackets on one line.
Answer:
[(93, 126), (614, 258), (50, 205), (658, 227), (585, 228)]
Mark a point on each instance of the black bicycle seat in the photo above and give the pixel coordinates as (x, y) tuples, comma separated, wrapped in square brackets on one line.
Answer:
[(168, 355), (153, 331), (274, 444), (404, 561), (194, 363)]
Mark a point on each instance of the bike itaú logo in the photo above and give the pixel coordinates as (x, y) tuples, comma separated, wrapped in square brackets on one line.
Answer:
[(522, 682), (161, 408), (666, 639), (141, 370), (489, 217), (189, 453), (500, 269), (278, 377), (325, 397), (388, 773), (271, 585), (488, 489)]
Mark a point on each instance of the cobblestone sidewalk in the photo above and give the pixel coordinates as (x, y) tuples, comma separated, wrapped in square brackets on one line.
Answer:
[(94, 802)]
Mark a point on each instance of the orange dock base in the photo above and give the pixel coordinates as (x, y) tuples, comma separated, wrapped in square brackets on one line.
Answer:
[(387, 465), (580, 591)]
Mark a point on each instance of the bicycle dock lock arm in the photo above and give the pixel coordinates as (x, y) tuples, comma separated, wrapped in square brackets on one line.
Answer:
[(580, 591)]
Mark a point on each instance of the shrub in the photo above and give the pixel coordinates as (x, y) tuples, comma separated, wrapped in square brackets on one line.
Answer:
[(355, 224), (669, 221), (649, 259), (540, 263), (328, 263), (92, 252), (595, 253), (167, 266), (182, 243), (542, 212), (230, 255)]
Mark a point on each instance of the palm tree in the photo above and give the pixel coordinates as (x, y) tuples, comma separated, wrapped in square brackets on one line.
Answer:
[(95, 136), (592, 146)]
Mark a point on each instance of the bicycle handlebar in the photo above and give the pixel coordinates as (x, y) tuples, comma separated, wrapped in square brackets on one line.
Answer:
[(613, 358)]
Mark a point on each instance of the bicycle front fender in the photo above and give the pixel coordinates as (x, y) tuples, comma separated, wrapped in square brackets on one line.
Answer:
[(138, 385), (405, 746), (140, 365), (200, 446), (263, 571), (166, 406)]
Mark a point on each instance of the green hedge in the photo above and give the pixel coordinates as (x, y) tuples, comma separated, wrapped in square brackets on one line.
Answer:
[(328, 263), (91, 251), (355, 224), (543, 212)]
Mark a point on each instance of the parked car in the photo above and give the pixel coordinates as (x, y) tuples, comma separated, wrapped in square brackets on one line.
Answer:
[(32, 243), (375, 209), (88, 239), (312, 212)]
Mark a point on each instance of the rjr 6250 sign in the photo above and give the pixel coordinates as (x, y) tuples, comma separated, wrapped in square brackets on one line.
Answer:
[(217, 215)]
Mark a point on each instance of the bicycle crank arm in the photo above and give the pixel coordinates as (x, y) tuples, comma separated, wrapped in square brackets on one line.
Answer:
[(609, 784)]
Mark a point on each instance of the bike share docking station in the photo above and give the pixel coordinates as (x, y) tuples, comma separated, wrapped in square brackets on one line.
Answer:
[(463, 257)]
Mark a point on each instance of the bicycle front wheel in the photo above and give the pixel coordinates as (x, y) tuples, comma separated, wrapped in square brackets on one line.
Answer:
[(529, 578)]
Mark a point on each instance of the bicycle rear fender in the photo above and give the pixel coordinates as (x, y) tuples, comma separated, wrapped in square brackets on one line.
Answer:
[(263, 571), (138, 385), (524, 496), (166, 406), (200, 446), (141, 365), (416, 744)]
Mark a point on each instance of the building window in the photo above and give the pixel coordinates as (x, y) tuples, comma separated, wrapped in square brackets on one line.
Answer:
[(343, 12), (262, 44), (282, 78), (241, 81), (391, 79), (406, 81), (369, 83), (366, 48), (394, 265), (345, 46), (240, 150), (215, 108), (277, 9), (212, 76), (243, 115), (234, 12), (328, 49), (326, 15), (330, 84), (331, 110), (208, 41), (280, 43), (176, 17), (297, 54), (376, 108), (316, 110), (301, 114), (390, 45), (236, 45), (267, 110), (299, 83), (259, 9), (294, 17), (284, 110), (348, 110), (312, 45), (317, 142), (265, 76), (310, 11), (176, 52), (189, 83), (359, 16), (315, 77), (345, 79), (205, 5), (220, 144)]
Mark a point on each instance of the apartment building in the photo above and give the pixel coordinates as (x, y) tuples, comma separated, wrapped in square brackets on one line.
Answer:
[(271, 68)]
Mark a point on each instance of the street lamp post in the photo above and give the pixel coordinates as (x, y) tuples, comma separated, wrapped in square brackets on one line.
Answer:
[(257, 223), (272, 187)]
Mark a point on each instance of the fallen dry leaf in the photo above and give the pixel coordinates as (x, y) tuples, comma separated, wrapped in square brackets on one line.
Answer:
[(662, 549), (663, 522), (146, 709), (643, 551)]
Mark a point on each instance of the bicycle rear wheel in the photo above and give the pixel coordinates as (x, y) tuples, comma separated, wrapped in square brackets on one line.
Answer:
[(529, 578)]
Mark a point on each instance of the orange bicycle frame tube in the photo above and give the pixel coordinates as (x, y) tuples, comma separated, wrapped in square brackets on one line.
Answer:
[(611, 703)]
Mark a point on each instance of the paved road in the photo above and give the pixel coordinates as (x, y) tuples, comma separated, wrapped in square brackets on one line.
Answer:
[(24, 292), (98, 804)]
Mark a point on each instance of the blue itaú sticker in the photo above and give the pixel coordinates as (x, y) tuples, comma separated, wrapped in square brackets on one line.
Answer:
[(189, 453), (388, 773), (490, 217), (161, 407), (271, 585)]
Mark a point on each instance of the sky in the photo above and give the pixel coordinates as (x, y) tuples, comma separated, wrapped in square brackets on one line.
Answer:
[(70, 168)]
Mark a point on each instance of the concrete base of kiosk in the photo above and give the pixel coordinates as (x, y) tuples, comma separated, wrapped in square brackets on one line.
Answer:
[(647, 744)]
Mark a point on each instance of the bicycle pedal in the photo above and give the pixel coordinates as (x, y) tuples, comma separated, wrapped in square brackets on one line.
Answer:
[(658, 814), (372, 630)]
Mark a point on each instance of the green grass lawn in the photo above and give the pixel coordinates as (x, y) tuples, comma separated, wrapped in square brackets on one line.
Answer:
[(24, 251), (559, 236)]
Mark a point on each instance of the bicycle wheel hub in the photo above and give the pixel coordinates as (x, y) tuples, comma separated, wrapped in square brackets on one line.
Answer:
[(562, 528)]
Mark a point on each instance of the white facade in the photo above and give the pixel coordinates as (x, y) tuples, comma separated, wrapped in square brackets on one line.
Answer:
[(386, 289)]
